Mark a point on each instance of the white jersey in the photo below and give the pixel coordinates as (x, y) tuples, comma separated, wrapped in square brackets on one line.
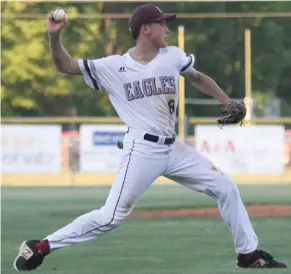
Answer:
[(145, 96)]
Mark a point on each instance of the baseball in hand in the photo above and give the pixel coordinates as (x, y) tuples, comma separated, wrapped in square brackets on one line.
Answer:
[(59, 15)]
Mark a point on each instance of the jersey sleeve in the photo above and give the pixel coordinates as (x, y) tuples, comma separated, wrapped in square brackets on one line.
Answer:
[(187, 62), (95, 72), (183, 62)]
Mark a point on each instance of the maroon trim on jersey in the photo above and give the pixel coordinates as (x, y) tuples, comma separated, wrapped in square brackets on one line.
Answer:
[(188, 64), (87, 68)]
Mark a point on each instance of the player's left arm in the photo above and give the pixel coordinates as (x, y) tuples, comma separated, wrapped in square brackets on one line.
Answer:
[(205, 84)]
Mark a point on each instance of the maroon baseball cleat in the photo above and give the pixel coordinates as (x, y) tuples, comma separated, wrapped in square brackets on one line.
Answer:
[(31, 255)]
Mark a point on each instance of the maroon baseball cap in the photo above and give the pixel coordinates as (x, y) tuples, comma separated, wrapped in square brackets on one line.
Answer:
[(148, 14)]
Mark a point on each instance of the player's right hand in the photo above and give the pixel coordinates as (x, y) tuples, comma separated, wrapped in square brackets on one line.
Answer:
[(54, 27)]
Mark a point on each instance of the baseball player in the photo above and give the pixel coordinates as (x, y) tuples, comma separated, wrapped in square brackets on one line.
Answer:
[(142, 87)]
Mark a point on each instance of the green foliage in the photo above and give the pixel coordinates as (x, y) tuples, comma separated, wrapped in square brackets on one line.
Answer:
[(31, 86)]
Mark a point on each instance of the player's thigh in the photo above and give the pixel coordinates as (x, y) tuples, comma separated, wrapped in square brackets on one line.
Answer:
[(191, 169), (135, 175)]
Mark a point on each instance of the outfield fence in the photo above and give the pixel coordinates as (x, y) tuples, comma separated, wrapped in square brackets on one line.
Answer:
[(83, 151)]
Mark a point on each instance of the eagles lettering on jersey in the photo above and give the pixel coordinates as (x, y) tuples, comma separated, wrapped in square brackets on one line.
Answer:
[(145, 96), (148, 87)]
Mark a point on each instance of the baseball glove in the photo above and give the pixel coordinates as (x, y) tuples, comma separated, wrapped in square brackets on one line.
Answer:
[(234, 112)]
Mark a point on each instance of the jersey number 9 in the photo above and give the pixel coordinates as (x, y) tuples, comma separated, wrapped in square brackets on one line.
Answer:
[(171, 105)]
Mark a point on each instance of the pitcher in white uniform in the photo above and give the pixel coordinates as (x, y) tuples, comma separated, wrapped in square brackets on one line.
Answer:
[(142, 86)]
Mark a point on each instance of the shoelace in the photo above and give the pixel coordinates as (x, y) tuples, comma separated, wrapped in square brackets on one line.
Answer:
[(268, 257)]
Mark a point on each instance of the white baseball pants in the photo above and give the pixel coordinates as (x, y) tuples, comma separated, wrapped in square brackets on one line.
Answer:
[(142, 162)]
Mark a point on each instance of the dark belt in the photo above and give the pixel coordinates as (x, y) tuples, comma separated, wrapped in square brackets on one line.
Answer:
[(155, 139)]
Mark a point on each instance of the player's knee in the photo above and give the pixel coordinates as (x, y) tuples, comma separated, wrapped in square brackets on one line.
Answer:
[(228, 189), (112, 219), (118, 217), (115, 223)]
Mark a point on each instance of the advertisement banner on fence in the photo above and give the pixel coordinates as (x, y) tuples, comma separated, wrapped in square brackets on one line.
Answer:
[(247, 149), (98, 151), (30, 148)]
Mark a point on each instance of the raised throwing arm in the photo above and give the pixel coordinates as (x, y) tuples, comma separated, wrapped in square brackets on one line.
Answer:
[(63, 61)]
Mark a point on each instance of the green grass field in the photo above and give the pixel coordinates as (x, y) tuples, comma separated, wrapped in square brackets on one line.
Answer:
[(157, 245)]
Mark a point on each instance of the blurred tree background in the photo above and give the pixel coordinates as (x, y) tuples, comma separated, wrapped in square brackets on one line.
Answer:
[(31, 86)]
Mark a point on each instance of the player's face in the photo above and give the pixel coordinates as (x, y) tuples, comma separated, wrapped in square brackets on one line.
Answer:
[(159, 34)]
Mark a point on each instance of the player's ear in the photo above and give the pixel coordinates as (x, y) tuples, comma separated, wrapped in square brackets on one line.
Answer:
[(146, 28)]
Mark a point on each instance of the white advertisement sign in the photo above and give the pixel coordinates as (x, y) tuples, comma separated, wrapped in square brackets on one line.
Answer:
[(30, 148), (99, 150), (246, 149)]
